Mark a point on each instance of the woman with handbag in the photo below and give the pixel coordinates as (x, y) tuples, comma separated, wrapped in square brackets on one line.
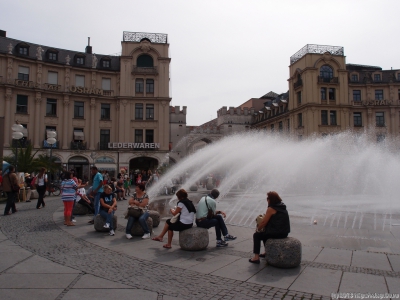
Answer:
[(140, 200), (182, 220), (11, 188), (41, 182), (275, 225)]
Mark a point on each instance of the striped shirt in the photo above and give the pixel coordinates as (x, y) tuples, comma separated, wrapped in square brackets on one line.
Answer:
[(68, 187)]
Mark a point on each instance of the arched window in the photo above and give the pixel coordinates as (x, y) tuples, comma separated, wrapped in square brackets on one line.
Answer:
[(144, 61), (326, 72)]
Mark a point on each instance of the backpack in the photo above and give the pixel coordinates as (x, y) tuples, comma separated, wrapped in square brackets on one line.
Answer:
[(33, 182)]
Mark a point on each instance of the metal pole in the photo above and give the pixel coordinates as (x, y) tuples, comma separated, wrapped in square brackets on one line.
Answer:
[(16, 159)]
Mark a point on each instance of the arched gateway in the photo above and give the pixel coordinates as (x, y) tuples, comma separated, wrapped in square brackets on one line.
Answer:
[(143, 163)]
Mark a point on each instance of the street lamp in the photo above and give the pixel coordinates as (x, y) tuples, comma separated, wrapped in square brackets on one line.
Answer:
[(51, 141), (17, 135)]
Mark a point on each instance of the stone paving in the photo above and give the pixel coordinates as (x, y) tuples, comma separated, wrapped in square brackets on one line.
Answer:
[(42, 259)]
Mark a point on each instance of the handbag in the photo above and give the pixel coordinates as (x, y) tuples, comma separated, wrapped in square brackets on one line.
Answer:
[(175, 218), (210, 212), (135, 211), (258, 221)]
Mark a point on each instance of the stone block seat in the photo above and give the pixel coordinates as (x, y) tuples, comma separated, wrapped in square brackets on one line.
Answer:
[(194, 239), (99, 222), (80, 210), (155, 216), (137, 229), (283, 253)]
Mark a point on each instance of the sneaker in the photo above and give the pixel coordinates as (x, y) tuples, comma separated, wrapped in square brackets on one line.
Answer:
[(112, 232), (222, 244), (146, 236), (128, 236), (229, 237), (107, 225), (73, 220)]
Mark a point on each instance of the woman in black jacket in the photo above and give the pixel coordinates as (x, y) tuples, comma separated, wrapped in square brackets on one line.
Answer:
[(275, 224)]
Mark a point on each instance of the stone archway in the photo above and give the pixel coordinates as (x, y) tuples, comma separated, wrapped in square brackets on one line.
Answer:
[(143, 163)]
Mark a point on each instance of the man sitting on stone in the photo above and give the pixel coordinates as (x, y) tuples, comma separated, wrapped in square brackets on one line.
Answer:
[(217, 220)]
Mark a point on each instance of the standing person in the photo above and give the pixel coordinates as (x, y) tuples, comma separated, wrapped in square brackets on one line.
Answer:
[(108, 206), (41, 182), (217, 221), (28, 188), (139, 198), (96, 191), (1, 182), (276, 223), (68, 194), (9, 180)]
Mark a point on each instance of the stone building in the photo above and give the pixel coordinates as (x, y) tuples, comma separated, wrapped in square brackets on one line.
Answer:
[(111, 111), (327, 96)]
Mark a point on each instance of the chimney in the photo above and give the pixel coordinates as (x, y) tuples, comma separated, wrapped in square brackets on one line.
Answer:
[(184, 110), (88, 49), (3, 33)]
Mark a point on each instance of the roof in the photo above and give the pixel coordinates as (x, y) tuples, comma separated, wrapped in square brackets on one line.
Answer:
[(269, 95)]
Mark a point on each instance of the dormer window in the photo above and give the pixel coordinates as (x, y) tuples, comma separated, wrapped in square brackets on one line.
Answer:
[(79, 59), (377, 77), (52, 55), (22, 49), (106, 63), (354, 77)]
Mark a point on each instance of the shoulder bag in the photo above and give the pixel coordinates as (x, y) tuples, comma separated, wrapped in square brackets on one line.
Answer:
[(210, 213), (135, 211)]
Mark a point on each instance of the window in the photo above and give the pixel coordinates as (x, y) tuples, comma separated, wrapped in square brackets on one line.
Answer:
[(23, 73), (354, 77), (323, 93), (357, 119), (139, 111), (324, 117), (139, 86), (52, 56), (51, 107), (106, 63), (52, 77), (280, 126), (300, 120), (398, 76), (331, 94), (78, 135), (106, 84), (377, 77), (144, 61), (149, 136), (80, 80), (378, 94), (380, 138), (79, 110), (79, 59), (149, 86), (398, 94), (288, 125), (149, 111), (105, 111), (380, 119), (23, 50), (272, 127), (356, 95), (104, 138), (326, 72), (333, 117), (298, 97), (22, 104), (138, 136)]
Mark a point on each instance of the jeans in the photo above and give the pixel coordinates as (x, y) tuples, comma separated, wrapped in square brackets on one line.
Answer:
[(108, 217), (142, 222), (41, 189), (11, 196), (262, 236), (219, 224), (96, 204)]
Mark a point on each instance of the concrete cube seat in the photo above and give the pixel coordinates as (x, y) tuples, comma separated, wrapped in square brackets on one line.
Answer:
[(155, 216), (283, 253), (194, 239), (80, 210), (137, 229), (193, 188), (99, 222)]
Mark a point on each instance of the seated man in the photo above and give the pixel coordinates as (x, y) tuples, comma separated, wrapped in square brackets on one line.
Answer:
[(216, 221)]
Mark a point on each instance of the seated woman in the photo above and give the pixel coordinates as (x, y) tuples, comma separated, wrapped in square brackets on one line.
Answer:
[(120, 191), (108, 204), (187, 212), (275, 225), (139, 198)]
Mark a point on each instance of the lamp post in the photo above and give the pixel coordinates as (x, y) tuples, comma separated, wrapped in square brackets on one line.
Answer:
[(17, 135), (51, 141)]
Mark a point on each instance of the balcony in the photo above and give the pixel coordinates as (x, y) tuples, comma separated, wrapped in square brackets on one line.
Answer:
[(22, 143), (78, 145), (108, 92), (46, 145), (334, 80), (144, 70), (298, 83)]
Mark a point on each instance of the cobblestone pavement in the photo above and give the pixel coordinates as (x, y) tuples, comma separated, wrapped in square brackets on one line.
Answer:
[(35, 231)]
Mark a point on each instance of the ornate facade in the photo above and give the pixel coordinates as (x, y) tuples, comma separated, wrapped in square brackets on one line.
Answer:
[(111, 111)]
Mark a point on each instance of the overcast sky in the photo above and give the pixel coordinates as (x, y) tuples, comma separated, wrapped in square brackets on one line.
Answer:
[(223, 52)]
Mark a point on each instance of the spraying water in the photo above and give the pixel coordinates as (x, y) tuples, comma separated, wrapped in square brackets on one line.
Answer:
[(318, 178)]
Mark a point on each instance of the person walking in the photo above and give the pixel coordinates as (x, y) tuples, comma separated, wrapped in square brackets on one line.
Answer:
[(9, 180), (41, 182), (68, 190)]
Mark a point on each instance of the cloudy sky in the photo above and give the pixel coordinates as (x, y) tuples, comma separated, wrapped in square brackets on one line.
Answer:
[(223, 52)]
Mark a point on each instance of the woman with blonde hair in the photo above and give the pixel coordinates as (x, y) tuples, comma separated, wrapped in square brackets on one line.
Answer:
[(41, 182)]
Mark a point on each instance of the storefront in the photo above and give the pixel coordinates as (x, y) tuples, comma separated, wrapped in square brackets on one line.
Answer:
[(81, 166)]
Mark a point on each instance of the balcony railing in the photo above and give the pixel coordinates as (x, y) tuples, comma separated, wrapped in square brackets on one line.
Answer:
[(298, 83), (78, 145), (46, 145), (328, 80), (145, 70), (22, 143), (108, 92)]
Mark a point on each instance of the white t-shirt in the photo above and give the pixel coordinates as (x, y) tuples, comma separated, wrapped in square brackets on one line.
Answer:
[(40, 181), (185, 217)]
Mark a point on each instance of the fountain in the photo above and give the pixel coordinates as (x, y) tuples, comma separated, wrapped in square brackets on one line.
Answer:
[(342, 181)]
